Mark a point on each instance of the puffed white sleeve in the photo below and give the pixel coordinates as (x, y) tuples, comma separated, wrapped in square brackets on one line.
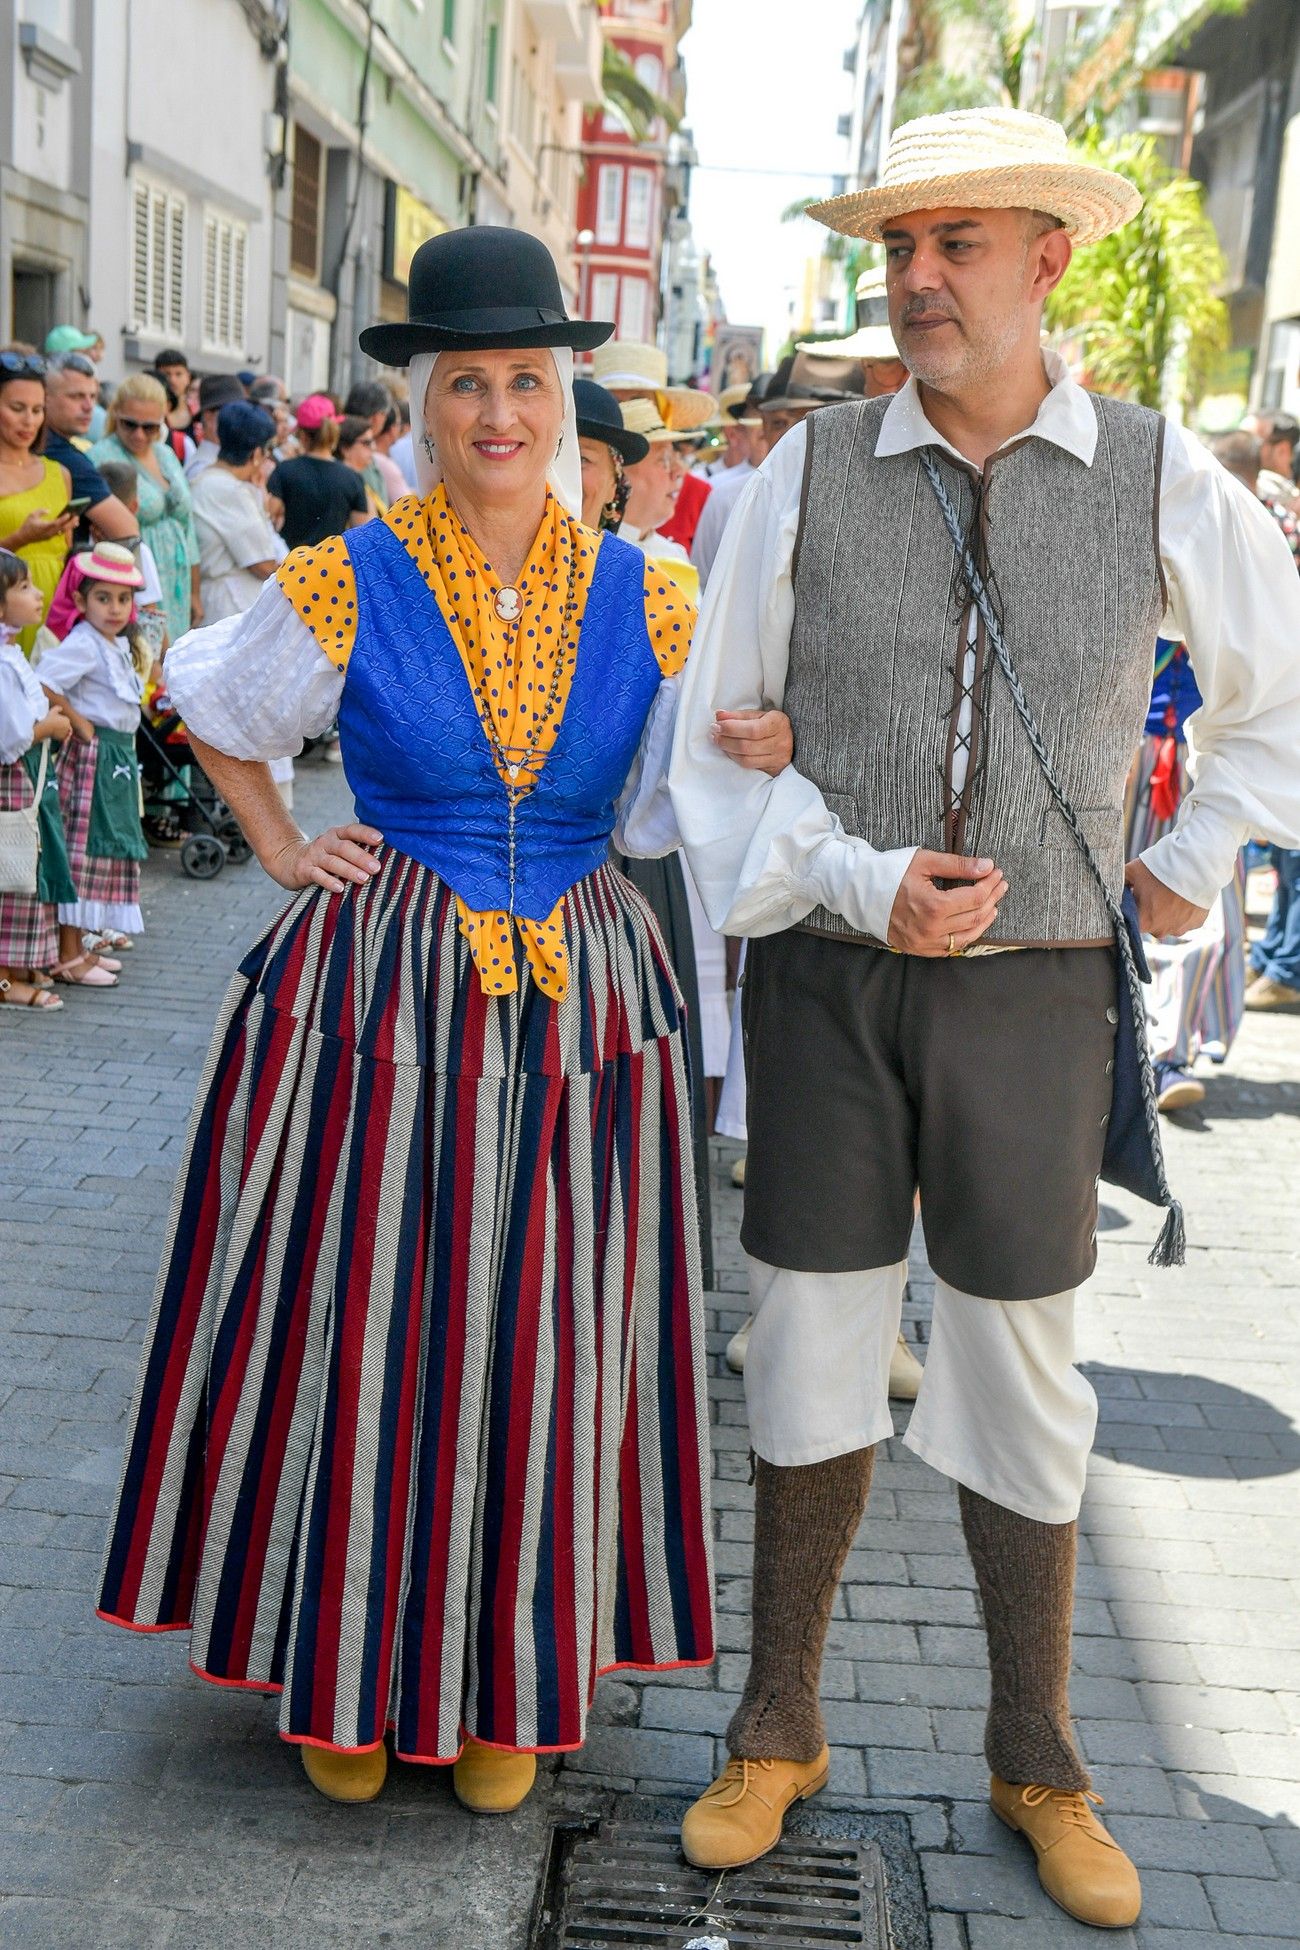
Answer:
[(20, 713), (645, 825), (254, 686)]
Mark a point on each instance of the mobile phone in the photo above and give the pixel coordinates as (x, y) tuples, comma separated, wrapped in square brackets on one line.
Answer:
[(78, 506)]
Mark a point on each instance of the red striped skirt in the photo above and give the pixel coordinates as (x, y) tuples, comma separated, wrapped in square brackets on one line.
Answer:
[(421, 1438), (29, 928)]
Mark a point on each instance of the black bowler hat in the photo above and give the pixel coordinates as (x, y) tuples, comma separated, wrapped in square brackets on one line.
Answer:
[(600, 418), (476, 289)]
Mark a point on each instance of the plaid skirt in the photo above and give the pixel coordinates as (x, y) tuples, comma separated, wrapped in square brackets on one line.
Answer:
[(110, 889), (29, 928), (421, 1438)]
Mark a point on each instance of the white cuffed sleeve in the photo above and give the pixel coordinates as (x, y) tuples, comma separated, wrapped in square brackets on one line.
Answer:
[(764, 851), (645, 825), (254, 686), (1234, 599), (22, 704)]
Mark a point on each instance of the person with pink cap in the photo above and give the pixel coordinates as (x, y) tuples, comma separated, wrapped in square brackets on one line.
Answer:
[(314, 495)]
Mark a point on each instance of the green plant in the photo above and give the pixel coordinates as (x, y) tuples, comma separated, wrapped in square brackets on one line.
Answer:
[(637, 107), (1142, 303)]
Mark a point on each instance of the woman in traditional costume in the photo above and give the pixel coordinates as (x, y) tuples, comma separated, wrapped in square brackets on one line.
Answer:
[(421, 1438)]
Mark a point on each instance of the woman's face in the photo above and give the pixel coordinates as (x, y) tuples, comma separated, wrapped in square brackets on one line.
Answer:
[(599, 479), (360, 454), (139, 424), (22, 411), (654, 491), (496, 420)]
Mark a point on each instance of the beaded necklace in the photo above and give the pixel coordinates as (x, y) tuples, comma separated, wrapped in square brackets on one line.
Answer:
[(522, 764)]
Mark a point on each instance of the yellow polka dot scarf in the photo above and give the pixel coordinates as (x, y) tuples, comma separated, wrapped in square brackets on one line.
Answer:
[(511, 668)]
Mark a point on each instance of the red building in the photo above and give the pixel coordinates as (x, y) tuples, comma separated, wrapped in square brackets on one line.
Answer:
[(621, 199)]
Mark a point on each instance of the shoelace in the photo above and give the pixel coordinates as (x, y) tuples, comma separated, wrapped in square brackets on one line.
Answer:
[(1072, 1803), (736, 1775)]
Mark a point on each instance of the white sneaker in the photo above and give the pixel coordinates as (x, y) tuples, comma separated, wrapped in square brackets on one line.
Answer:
[(905, 1373), (738, 1173), (738, 1346)]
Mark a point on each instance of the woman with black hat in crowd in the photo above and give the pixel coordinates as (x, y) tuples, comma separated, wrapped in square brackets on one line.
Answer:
[(421, 1439)]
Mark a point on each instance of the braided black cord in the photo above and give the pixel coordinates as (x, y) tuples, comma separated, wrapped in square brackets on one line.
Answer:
[(1168, 1250)]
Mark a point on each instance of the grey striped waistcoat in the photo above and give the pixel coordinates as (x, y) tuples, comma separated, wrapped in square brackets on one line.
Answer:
[(879, 638)]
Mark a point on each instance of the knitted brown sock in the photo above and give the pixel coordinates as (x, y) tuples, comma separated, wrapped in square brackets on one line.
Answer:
[(1025, 1572), (805, 1520)]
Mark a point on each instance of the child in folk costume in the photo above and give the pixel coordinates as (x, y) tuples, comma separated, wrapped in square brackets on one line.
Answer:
[(29, 926), (101, 666)]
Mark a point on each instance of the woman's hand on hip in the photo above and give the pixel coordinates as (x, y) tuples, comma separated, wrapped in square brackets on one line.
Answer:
[(761, 741), (334, 860)]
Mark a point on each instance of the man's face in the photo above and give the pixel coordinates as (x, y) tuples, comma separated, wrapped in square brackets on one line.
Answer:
[(966, 289), (779, 421), (881, 376), (70, 399)]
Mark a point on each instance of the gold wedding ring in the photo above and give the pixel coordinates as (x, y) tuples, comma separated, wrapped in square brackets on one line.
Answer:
[(951, 950)]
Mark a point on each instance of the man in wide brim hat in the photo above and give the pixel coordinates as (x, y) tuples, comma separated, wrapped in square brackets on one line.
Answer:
[(886, 559), (883, 370), (632, 370)]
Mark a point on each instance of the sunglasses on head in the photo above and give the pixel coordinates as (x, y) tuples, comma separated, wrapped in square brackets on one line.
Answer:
[(29, 363), (139, 426), (72, 362)]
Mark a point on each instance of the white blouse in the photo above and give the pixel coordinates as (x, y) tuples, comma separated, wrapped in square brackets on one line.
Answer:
[(22, 703), (96, 675)]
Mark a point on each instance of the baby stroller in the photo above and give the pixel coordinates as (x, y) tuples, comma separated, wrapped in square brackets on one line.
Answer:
[(181, 800)]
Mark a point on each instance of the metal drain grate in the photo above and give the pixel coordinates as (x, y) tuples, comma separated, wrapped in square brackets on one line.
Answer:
[(616, 1884)]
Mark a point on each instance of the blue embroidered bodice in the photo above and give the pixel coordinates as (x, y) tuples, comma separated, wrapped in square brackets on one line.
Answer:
[(419, 764)]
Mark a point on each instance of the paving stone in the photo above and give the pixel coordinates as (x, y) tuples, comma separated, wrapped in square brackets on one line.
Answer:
[(1240, 1904)]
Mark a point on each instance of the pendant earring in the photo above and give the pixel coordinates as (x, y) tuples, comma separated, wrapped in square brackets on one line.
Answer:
[(427, 444), (560, 449)]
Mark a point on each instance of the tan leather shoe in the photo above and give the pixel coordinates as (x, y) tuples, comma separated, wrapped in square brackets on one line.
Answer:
[(738, 1347), (345, 1777), (905, 1373), (1079, 1865), (738, 1173), (739, 1818), (1265, 993), (492, 1780)]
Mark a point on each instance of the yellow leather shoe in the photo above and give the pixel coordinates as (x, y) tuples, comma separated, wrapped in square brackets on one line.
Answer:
[(1079, 1865), (739, 1818), (345, 1777), (492, 1780)]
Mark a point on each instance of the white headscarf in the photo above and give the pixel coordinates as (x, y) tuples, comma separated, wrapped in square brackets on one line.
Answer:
[(564, 473)]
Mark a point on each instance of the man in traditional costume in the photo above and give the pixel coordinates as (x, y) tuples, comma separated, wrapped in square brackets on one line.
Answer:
[(917, 824)]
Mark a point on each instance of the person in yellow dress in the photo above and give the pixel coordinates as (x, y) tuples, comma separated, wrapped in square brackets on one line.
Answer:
[(34, 492)]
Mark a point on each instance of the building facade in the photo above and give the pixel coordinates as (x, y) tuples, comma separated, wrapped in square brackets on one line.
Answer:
[(627, 198), (122, 209)]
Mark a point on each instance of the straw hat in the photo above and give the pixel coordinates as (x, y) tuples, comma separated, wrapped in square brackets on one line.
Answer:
[(985, 159), (873, 338), (642, 416), (110, 562), (628, 366)]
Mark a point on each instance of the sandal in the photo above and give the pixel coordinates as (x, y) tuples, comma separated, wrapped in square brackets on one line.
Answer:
[(98, 959), (109, 938), (39, 998), (95, 977)]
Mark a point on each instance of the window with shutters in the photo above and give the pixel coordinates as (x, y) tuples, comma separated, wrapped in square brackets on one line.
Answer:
[(225, 266), (304, 221), (640, 196), (609, 204), (157, 260)]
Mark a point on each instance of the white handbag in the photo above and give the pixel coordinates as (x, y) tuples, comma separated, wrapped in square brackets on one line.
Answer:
[(20, 838)]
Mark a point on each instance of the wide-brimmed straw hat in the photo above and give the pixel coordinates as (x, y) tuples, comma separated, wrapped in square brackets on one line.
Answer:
[(629, 366), (600, 417), (873, 338), (477, 290), (985, 159), (110, 562), (642, 416)]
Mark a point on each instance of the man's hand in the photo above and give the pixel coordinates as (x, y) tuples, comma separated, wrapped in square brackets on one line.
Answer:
[(930, 920), (761, 741), (1160, 910)]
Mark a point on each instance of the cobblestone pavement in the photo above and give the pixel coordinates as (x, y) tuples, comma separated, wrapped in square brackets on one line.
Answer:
[(144, 1809)]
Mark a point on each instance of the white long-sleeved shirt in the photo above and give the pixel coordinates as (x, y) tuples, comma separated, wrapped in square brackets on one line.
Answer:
[(22, 701), (96, 675), (765, 852)]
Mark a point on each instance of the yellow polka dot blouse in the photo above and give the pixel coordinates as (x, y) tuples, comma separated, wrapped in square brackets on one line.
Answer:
[(512, 668)]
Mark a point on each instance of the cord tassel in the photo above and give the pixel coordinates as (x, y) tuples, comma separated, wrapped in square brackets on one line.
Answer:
[(1170, 1248)]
